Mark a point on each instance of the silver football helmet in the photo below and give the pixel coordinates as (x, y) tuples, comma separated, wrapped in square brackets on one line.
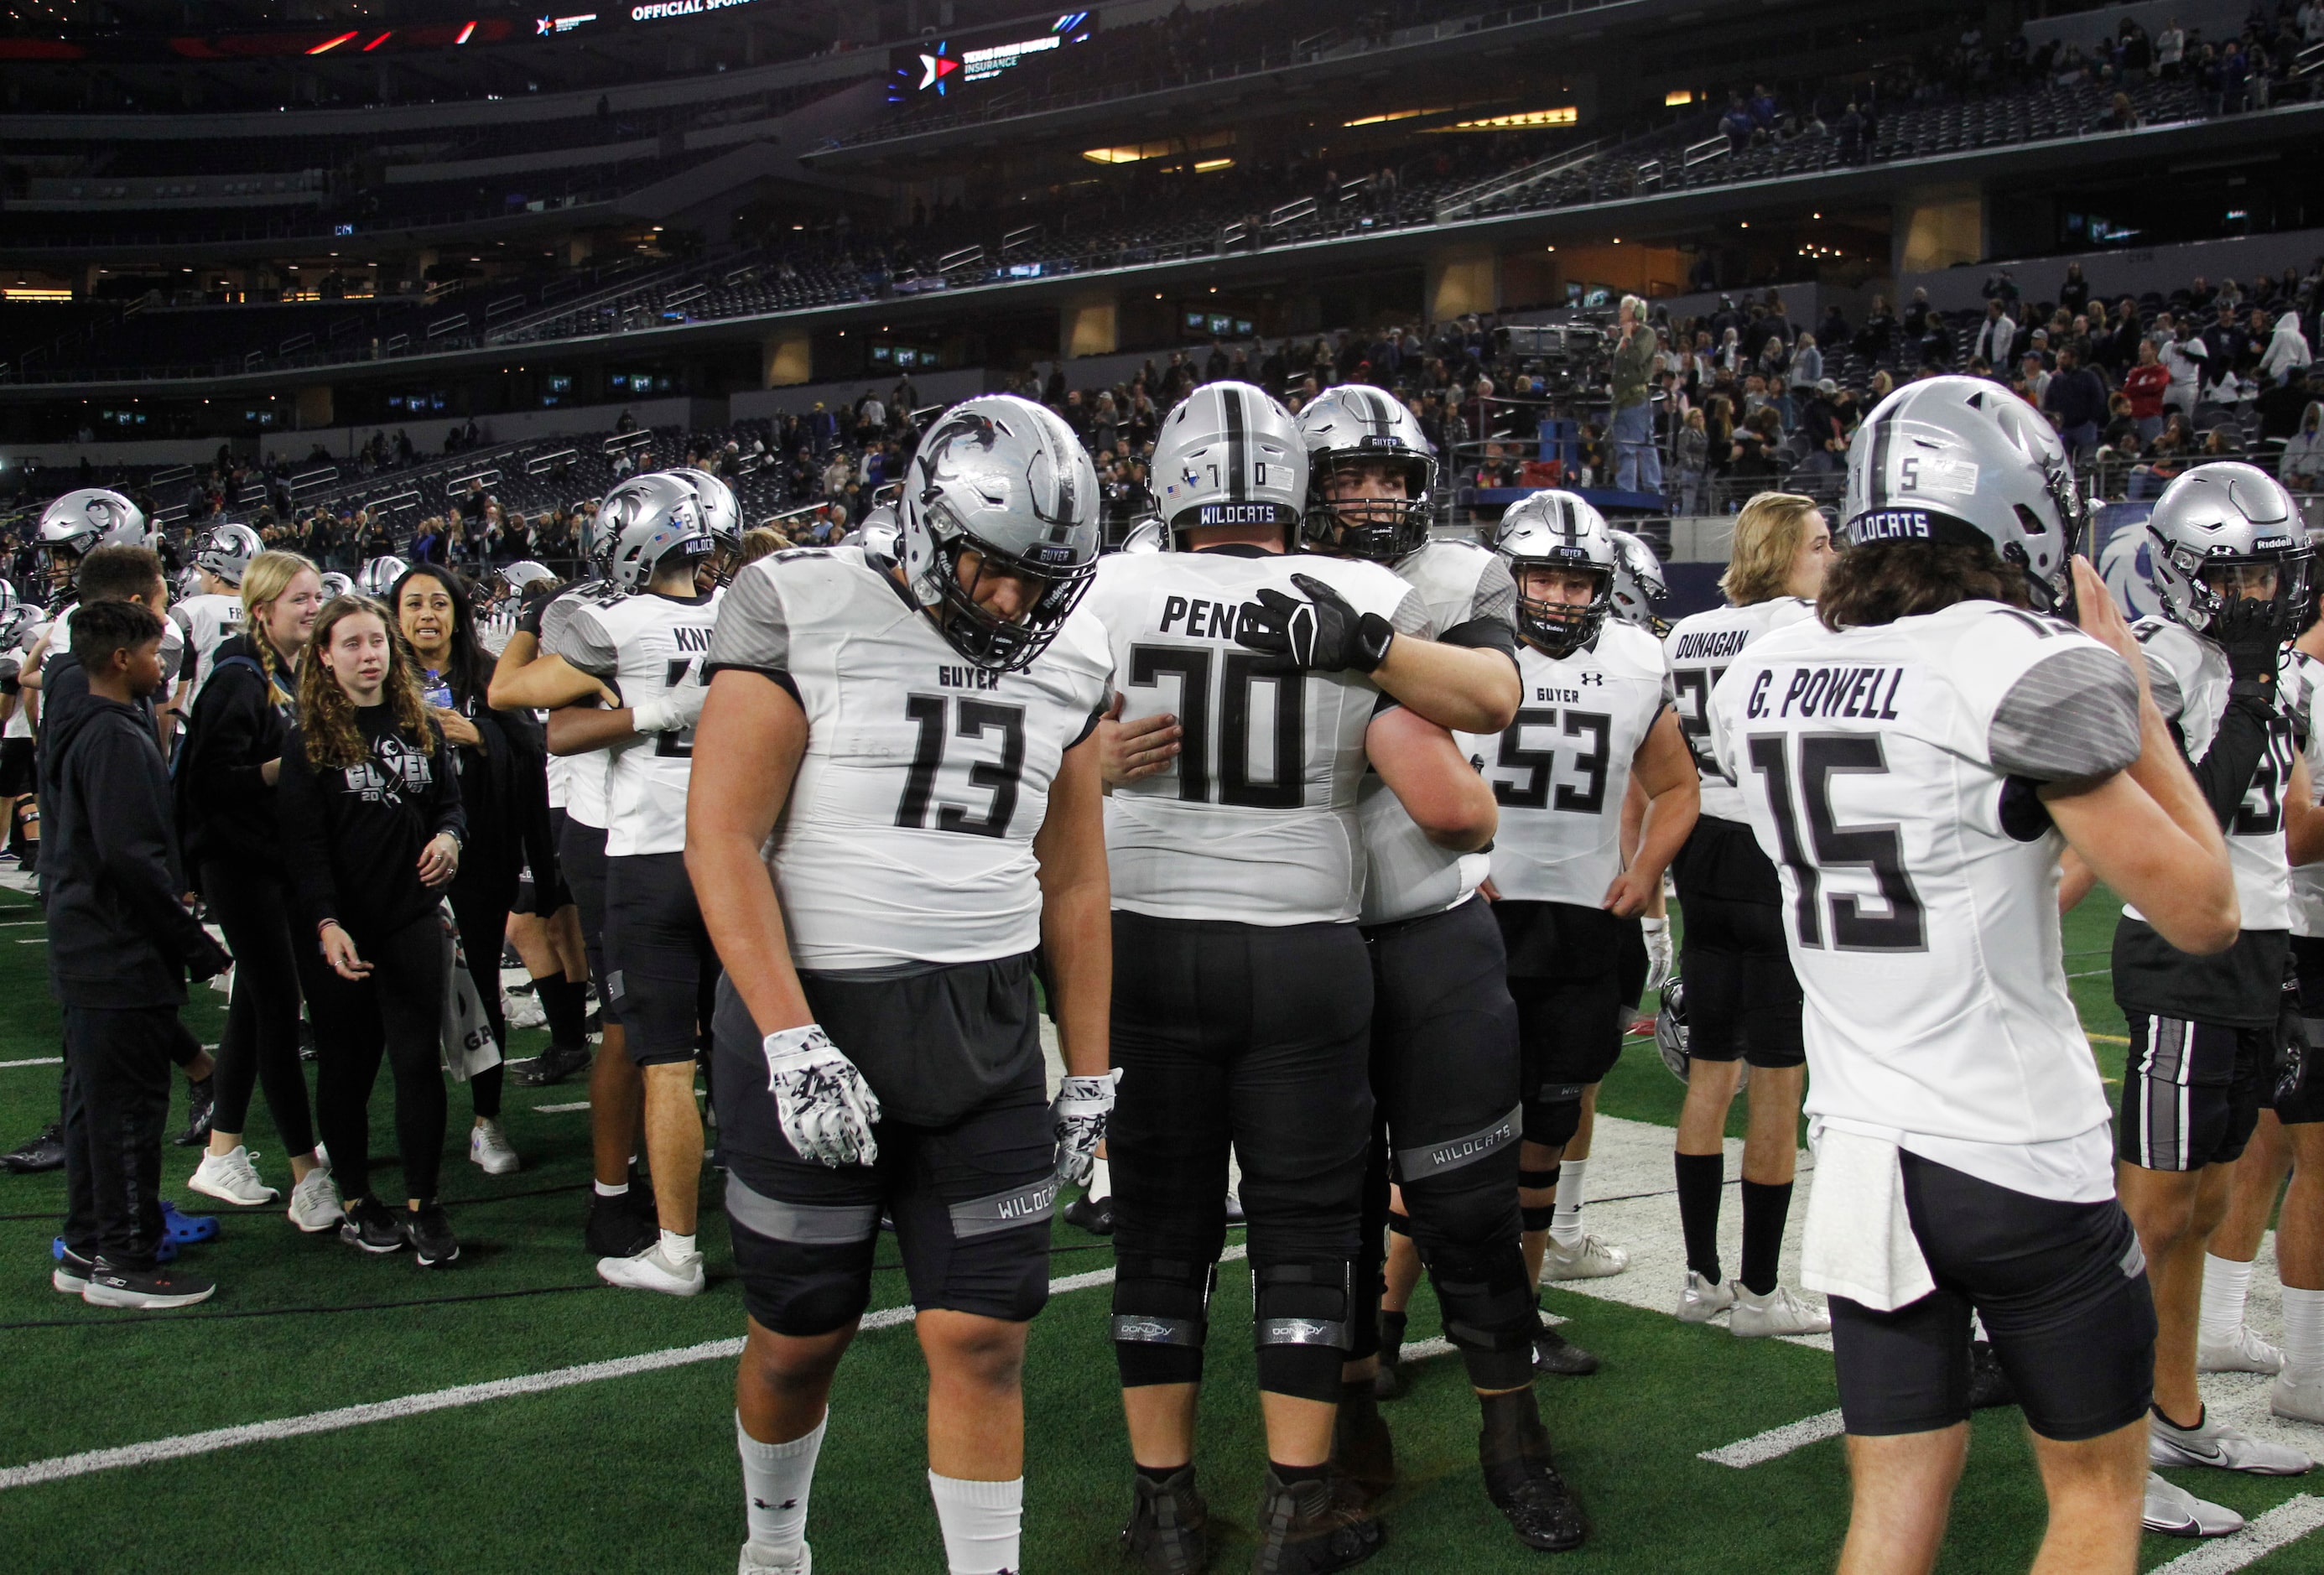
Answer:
[(1960, 460), (881, 535), (1229, 455), (188, 583), (722, 513), (1556, 530), (336, 584), (1346, 430), (1672, 1040), (2221, 532), (226, 551), (377, 578), (1638, 584), (80, 522), (1146, 536), (1006, 479), (645, 519), (510, 580)]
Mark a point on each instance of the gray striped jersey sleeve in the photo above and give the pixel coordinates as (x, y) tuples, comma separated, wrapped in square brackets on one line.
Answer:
[(2070, 717), (1411, 616), (581, 639), (753, 633), (1497, 593)]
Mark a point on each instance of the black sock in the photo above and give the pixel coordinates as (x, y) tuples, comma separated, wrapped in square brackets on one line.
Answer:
[(1700, 1177), (1391, 1337), (1511, 1421), (1292, 1475), (563, 1002), (1158, 1475), (1357, 1400), (1764, 1209)]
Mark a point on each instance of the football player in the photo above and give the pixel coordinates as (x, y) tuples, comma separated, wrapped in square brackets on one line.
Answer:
[(1237, 880), (1742, 1000), (207, 619), (1444, 1035), (1913, 762), (2230, 561), (896, 801), (645, 639), (378, 575), (1594, 717), (71, 528)]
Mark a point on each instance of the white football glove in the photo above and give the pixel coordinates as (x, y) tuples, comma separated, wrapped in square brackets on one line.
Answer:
[(1658, 951), (1078, 1119), (669, 710), (825, 1107)]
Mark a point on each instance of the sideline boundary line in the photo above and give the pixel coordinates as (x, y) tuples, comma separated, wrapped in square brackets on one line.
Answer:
[(1763, 1447)]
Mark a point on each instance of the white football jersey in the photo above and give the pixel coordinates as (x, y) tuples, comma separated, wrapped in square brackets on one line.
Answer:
[(1920, 883), (1460, 584), (1560, 770), (20, 717), (2300, 677), (206, 622), (576, 783), (907, 837), (2189, 675), (60, 643), (1254, 822), (1699, 648), (642, 643)]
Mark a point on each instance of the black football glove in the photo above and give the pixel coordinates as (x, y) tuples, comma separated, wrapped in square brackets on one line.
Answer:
[(2247, 633), (1322, 634)]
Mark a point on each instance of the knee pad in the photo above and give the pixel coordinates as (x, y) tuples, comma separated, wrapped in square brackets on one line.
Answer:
[(1551, 1123), (1302, 1314), (1489, 1311), (803, 1289), (1537, 1180), (1161, 1316)]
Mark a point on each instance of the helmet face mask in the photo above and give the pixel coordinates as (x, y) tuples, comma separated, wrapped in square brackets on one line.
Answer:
[(1359, 442), (1557, 531), (2227, 535)]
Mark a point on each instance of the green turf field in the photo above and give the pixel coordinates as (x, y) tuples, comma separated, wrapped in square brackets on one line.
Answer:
[(636, 1471)]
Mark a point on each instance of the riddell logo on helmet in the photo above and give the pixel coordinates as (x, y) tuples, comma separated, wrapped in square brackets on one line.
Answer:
[(1890, 525)]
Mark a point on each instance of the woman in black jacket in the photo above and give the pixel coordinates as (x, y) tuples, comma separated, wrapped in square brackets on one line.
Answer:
[(502, 763), (371, 826), (226, 787)]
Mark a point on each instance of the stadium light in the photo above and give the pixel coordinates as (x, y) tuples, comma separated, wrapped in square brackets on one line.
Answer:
[(382, 39), (465, 33), (328, 45)]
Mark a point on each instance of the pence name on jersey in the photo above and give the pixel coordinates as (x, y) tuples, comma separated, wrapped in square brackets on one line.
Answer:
[(1699, 648), (2297, 683), (1560, 770), (2189, 675), (207, 621), (907, 837), (640, 644), (1255, 821), (1462, 585), (1920, 880)]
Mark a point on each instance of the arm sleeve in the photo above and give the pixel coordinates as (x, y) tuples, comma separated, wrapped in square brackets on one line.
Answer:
[(134, 839), (582, 640), (2073, 716), (2224, 774), (301, 813), (753, 629)]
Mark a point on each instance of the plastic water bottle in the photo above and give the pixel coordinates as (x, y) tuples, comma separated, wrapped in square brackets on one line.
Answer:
[(436, 691)]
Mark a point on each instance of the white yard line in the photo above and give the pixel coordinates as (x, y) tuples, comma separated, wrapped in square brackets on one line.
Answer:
[(35, 1060), (1776, 1441), (561, 1110), (2287, 1522)]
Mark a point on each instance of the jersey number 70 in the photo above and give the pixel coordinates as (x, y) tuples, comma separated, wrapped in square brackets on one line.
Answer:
[(1831, 846)]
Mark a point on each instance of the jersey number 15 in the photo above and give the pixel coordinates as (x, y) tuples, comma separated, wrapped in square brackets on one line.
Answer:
[(1831, 846)]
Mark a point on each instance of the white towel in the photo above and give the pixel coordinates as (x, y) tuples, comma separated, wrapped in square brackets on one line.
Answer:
[(1860, 1241)]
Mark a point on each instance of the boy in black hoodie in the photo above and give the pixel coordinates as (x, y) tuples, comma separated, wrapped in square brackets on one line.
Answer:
[(120, 944)]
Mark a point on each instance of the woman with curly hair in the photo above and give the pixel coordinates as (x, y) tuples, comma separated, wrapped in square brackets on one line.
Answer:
[(372, 824)]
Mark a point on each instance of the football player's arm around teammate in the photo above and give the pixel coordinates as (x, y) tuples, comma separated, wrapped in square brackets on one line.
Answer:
[(1664, 772), (1437, 787)]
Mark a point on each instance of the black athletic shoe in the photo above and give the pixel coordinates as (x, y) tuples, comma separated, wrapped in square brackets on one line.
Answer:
[(621, 1226), (428, 1231), (1988, 1386), (1540, 1507), (150, 1289), (372, 1226), (1553, 1353), (1168, 1532), (1094, 1215), (554, 1064), (46, 1152), (1312, 1527), (201, 1102), (71, 1273), (1363, 1451)]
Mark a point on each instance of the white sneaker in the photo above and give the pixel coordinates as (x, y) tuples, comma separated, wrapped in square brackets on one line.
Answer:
[(1594, 1258), (2246, 1353), (650, 1271), (2298, 1395), (1779, 1311), (488, 1146), (315, 1205), (2224, 1448), (1699, 1300), (524, 1010), (2171, 1510), (230, 1178), (757, 1561)]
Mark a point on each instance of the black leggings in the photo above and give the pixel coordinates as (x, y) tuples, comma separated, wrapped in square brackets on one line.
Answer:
[(260, 1044), (397, 1011), (481, 906)]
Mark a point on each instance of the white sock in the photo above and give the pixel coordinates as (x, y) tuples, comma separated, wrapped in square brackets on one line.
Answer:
[(603, 1191), (1565, 1225), (2303, 1332), (776, 1480), (983, 1523), (2225, 1284), (1100, 1181), (676, 1248)]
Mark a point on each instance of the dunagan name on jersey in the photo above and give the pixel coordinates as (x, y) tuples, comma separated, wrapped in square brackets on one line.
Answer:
[(641, 644), (1890, 775), (1560, 770), (907, 841), (1469, 600), (1255, 821), (1699, 648), (579, 781)]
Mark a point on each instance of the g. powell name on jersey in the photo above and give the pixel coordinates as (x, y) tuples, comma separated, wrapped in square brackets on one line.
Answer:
[(1869, 692)]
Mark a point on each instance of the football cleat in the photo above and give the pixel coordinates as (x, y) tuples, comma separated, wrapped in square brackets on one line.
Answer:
[(2298, 1395), (1312, 1527), (1168, 1532), (2171, 1511), (655, 1270), (231, 1178), (1699, 1300), (758, 1561), (2244, 1352), (372, 1226), (1094, 1215), (150, 1290), (1553, 1353), (554, 1064), (2216, 1445), (1594, 1258), (45, 1152), (1541, 1508), (428, 1231), (1780, 1311)]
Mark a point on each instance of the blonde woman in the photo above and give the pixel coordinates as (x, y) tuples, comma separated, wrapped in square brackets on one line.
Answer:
[(227, 772), (1735, 994)]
